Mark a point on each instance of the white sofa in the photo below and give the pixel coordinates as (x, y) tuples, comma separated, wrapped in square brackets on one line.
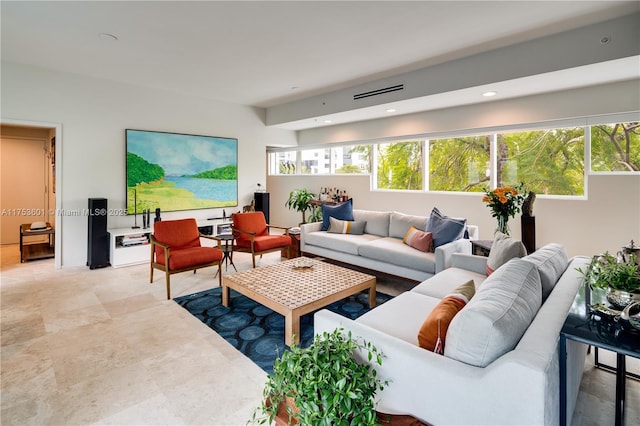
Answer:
[(380, 248), (520, 386)]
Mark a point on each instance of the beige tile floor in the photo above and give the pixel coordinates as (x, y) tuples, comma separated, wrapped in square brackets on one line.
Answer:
[(103, 346)]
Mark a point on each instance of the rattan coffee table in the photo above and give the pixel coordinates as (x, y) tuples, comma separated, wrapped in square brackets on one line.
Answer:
[(293, 291)]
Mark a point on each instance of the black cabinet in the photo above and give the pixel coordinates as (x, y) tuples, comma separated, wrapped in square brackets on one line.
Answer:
[(262, 203)]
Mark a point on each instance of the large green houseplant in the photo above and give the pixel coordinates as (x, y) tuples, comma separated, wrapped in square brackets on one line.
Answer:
[(621, 280), (300, 200), (324, 384)]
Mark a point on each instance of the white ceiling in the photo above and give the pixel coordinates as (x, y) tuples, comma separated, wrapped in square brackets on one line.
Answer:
[(265, 53)]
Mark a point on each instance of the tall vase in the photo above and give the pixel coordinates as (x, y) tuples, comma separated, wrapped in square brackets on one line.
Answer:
[(503, 225)]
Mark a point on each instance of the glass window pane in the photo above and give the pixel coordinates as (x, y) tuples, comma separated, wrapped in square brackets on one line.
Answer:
[(615, 147), (352, 159), (399, 165), (315, 161), (459, 164), (282, 163), (549, 161)]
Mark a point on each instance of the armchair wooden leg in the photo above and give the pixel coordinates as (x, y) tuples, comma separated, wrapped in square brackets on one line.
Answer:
[(151, 275), (168, 285), (220, 274), (253, 257)]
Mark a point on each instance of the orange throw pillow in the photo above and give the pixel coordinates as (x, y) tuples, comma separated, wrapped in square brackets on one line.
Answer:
[(434, 329)]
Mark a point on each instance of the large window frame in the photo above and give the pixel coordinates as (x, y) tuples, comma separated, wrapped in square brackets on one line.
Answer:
[(586, 122)]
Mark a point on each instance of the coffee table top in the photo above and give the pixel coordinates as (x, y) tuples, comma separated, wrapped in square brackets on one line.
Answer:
[(295, 287)]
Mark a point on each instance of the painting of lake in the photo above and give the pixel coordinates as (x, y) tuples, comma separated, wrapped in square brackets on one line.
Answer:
[(173, 172)]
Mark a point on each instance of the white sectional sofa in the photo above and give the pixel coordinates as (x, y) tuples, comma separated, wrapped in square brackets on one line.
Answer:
[(499, 365), (380, 248)]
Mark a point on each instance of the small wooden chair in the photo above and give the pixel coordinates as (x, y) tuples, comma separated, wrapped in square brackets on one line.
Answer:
[(251, 233), (175, 247)]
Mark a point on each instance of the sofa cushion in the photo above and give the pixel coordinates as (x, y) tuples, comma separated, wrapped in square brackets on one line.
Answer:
[(399, 223), (377, 222), (444, 282), (434, 329), (551, 261), (338, 226), (503, 249), (445, 228), (392, 250), (419, 240), (342, 211), (401, 316), (495, 319), (345, 243)]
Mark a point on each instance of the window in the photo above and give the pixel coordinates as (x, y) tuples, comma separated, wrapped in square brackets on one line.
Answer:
[(352, 159), (399, 165), (282, 163), (615, 147), (315, 161), (459, 164), (549, 161)]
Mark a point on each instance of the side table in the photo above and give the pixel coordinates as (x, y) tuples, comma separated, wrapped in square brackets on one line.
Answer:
[(227, 250), (36, 250), (481, 247), (582, 325), (294, 248)]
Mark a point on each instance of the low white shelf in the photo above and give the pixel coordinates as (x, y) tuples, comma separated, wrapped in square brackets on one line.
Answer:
[(127, 255)]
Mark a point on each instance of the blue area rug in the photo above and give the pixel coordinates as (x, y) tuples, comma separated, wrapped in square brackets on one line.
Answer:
[(257, 331)]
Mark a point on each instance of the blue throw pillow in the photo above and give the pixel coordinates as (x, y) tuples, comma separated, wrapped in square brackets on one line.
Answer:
[(342, 211), (445, 229)]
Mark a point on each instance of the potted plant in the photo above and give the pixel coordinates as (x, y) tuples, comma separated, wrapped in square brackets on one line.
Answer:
[(621, 280), (300, 200), (323, 384)]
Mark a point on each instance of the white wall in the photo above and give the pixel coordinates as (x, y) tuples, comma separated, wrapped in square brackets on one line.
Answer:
[(94, 114)]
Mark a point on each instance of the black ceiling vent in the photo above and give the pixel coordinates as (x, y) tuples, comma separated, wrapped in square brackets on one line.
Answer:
[(377, 92)]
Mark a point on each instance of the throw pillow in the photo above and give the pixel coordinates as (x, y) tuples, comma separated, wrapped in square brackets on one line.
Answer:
[(445, 228), (342, 211), (419, 240), (434, 329), (503, 249), (338, 226)]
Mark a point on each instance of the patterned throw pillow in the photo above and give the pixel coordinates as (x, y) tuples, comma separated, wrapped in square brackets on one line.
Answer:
[(342, 211), (503, 249), (434, 329), (417, 239), (445, 228), (338, 226)]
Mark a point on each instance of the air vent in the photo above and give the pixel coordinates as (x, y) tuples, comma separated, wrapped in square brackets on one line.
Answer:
[(377, 92)]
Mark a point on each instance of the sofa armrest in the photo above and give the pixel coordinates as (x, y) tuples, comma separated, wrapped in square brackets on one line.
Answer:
[(305, 229), (470, 262), (445, 251)]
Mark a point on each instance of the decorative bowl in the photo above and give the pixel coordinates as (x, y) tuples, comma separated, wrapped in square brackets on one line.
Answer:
[(632, 314)]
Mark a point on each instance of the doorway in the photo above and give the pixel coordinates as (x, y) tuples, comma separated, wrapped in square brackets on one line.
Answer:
[(27, 167)]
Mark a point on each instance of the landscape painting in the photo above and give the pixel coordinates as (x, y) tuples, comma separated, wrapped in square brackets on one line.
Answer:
[(173, 172)]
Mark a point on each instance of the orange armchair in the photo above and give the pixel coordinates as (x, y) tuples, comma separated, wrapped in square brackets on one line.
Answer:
[(175, 247), (251, 234)]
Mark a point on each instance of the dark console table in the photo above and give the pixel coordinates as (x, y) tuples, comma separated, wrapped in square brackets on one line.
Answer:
[(583, 325)]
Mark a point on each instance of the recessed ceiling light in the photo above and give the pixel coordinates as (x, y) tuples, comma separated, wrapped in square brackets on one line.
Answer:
[(488, 94), (391, 110), (107, 37)]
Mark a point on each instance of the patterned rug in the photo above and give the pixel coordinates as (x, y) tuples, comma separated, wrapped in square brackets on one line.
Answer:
[(257, 331)]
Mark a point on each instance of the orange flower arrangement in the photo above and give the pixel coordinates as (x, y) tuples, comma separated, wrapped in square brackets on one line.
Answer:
[(504, 203)]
